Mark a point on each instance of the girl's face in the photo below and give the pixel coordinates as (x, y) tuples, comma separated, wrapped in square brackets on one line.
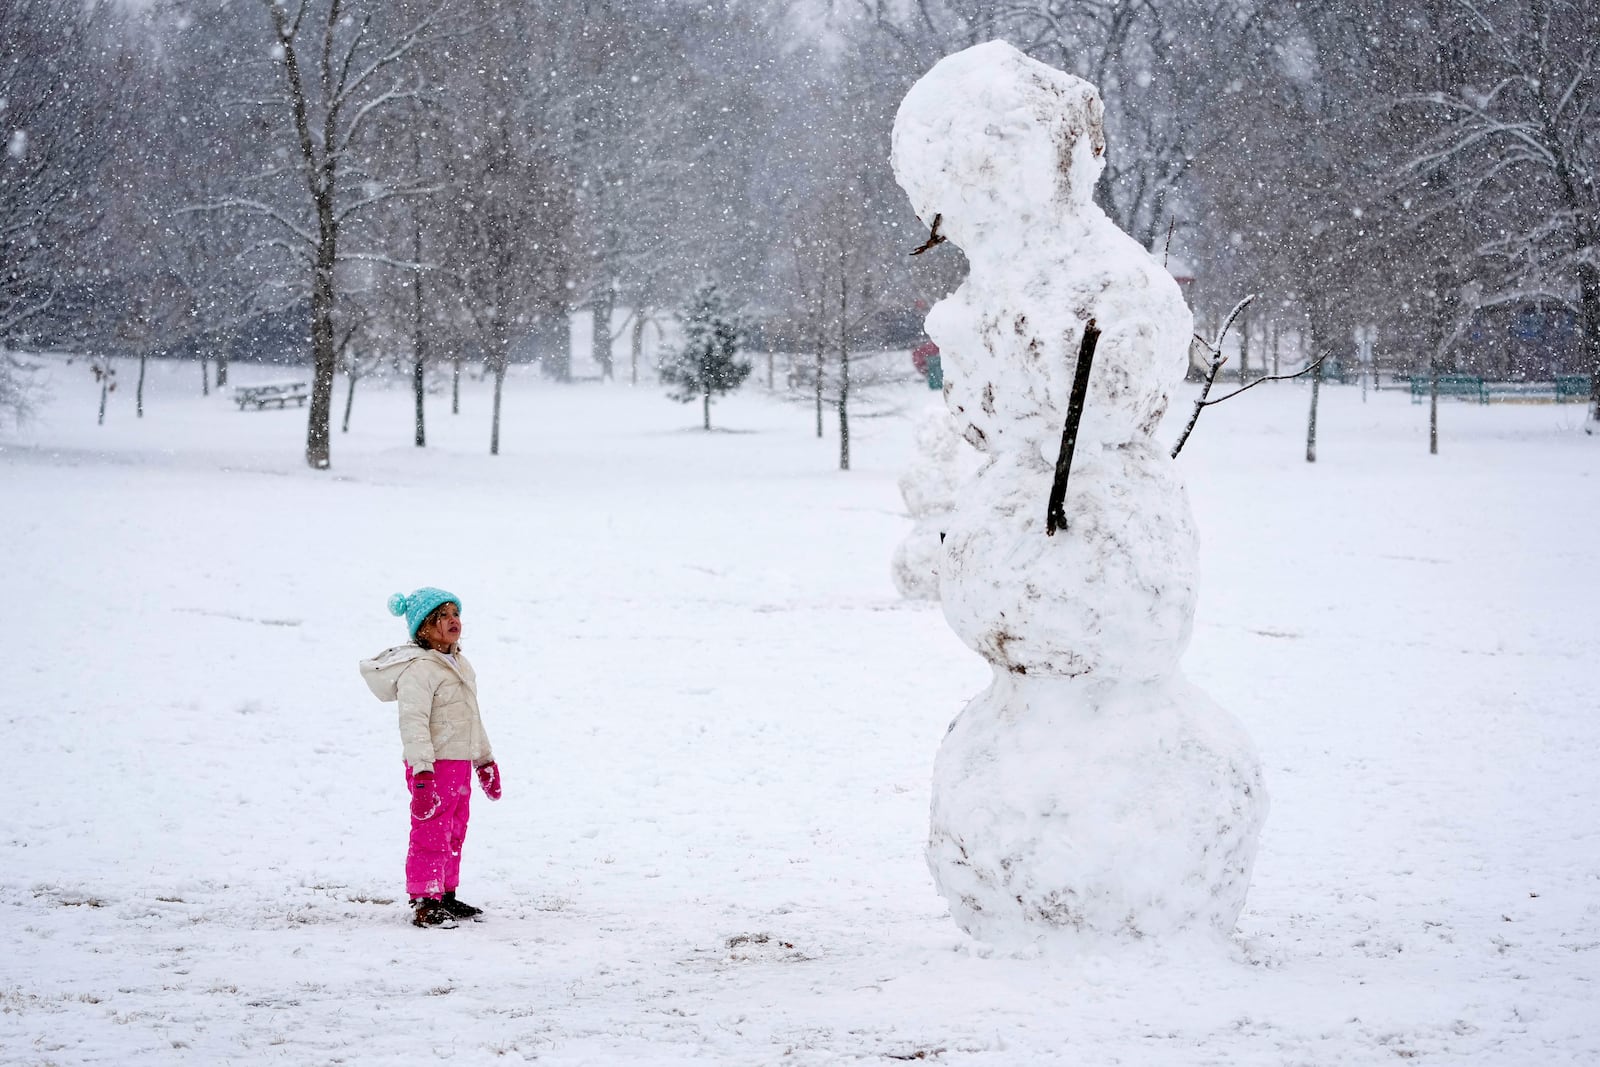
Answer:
[(443, 628)]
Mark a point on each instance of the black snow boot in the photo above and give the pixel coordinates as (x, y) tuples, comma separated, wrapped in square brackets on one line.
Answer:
[(432, 912), (459, 909)]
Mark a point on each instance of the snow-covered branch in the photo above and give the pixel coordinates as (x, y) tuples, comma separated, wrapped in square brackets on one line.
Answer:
[(255, 207), (358, 120), (387, 261), (356, 207), (404, 44)]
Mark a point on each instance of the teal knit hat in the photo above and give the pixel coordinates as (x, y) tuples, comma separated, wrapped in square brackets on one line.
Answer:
[(419, 605)]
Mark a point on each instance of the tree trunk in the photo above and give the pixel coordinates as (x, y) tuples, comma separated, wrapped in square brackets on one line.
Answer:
[(705, 401), (822, 345), (205, 378), (1275, 337), (349, 402), (844, 412), (321, 173), (1433, 411), (1444, 292), (555, 346), (499, 385), (1313, 343), (419, 337), (222, 360), (771, 359), (138, 392), (1364, 353), (455, 385), (1311, 423), (418, 383), (105, 388), (1589, 345), (844, 368), (324, 349), (1244, 347), (600, 332), (636, 348), (821, 368)]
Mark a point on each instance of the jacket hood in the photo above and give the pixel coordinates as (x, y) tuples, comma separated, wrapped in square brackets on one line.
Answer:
[(382, 672)]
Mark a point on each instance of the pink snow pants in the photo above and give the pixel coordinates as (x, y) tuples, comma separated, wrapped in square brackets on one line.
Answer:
[(433, 860)]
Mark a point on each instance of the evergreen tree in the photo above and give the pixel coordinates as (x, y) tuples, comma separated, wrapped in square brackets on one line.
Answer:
[(708, 362)]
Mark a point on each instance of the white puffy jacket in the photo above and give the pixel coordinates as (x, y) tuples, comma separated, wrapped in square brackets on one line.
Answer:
[(438, 704)]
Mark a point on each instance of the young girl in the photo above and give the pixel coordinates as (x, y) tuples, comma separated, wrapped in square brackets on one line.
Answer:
[(442, 741)]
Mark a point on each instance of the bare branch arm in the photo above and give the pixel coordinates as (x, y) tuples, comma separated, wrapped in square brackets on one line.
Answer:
[(1055, 512), (1307, 369), (1216, 365)]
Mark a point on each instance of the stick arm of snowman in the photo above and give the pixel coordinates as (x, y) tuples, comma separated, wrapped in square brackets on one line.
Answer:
[(1055, 516), (1217, 359), (935, 238)]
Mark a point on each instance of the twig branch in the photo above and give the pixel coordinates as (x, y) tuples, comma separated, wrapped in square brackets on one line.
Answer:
[(1271, 378), (1055, 516), (934, 236), (1217, 359), (409, 265), (255, 207)]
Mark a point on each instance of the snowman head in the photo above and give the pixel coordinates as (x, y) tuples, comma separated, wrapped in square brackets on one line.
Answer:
[(990, 138)]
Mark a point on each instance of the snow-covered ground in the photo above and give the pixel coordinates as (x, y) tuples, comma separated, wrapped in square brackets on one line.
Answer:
[(717, 722)]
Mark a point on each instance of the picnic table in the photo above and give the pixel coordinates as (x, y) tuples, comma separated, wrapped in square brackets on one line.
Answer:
[(279, 393)]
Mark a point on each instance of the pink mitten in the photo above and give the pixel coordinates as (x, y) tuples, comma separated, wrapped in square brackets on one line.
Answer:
[(424, 796), (489, 778)]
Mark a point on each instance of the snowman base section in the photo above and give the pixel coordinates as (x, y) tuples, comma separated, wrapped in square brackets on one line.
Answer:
[(1066, 810)]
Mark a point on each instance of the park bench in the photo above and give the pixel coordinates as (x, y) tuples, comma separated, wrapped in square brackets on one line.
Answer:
[(279, 393), (1573, 387), (1449, 385)]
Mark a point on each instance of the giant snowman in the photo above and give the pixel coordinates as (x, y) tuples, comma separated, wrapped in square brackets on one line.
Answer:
[(1090, 792)]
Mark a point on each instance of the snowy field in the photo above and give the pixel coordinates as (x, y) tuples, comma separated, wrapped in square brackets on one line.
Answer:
[(717, 722)]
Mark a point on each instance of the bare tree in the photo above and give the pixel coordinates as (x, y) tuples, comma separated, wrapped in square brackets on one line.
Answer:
[(53, 139), (54, 135), (505, 250), (841, 285), (341, 65), (661, 126), (154, 291), (1295, 190), (1522, 146), (360, 354)]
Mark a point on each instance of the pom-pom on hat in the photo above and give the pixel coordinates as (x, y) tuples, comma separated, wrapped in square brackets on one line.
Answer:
[(419, 605)]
